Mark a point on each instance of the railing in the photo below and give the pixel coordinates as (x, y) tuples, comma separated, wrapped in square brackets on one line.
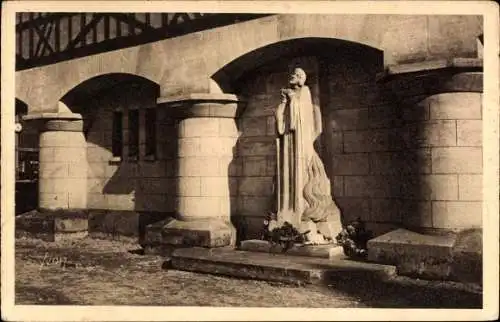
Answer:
[(45, 38)]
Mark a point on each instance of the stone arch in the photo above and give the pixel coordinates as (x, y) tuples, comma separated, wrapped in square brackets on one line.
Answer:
[(128, 184), (228, 76), (42, 88), (98, 85), (84, 97), (21, 107), (118, 190), (338, 71)]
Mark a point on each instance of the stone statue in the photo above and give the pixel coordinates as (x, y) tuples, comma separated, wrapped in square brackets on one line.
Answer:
[(303, 195)]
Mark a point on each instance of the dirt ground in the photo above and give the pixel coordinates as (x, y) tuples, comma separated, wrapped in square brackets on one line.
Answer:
[(102, 272)]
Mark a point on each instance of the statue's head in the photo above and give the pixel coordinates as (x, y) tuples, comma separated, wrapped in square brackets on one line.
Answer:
[(298, 77)]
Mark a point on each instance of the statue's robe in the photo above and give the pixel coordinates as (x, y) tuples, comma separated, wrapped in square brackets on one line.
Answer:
[(302, 187)]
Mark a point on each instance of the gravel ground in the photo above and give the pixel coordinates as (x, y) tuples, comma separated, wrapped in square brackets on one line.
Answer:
[(102, 272)]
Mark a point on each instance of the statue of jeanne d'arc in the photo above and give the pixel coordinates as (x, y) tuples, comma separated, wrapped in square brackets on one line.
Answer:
[(303, 195)]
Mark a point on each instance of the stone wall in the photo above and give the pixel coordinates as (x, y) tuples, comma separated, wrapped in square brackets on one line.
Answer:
[(140, 184), (198, 55), (415, 162), (394, 157), (254, 165)]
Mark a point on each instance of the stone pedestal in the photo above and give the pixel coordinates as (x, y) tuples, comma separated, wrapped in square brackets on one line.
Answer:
[(52, 225), (62, 161), (207, 134), (443, 257)]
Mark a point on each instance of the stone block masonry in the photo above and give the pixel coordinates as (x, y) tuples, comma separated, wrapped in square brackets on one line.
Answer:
[(453, 257), (205, 152), (390, 162), (62, 161), (53, 225), (126, 183), (203, 189), (402, 144), (418, 171), (394, 155), (255, 149)]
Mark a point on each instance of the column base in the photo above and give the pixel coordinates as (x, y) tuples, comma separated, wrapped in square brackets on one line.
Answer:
[(52, 225), (175, 233), (455, 257)]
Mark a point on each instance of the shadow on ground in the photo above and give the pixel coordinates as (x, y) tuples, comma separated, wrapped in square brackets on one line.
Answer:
[(97, 272), (400, 291), (385, 294), (66, 256), (37, 295)]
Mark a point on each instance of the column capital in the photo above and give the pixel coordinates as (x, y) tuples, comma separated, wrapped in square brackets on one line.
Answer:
[(191, 105), (457, 63), (432, 77), (66, 122)]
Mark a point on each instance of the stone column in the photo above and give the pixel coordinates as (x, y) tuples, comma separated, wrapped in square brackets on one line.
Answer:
[(62, 161), (444, 110), (207, 134), (456, 160)]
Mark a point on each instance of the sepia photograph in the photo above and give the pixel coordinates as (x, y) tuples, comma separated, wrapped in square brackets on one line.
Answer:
[(213, 155)]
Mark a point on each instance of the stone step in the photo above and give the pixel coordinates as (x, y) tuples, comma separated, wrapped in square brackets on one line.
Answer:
[(276, 267), (323, 251), (456, 257)]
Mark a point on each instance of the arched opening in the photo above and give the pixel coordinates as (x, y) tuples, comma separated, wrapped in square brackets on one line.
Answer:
[(21, 107), (362, 57), (342, 77), (82, 98), (130, 147)]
